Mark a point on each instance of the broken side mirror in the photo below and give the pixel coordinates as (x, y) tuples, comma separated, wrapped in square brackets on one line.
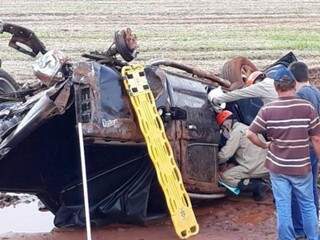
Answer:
[(174, 113), (178, 113)]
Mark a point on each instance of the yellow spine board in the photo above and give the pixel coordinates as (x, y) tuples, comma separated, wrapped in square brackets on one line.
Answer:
[(160, 151)]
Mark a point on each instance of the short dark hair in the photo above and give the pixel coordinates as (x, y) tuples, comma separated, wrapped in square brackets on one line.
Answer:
[(300, 71), (285, 84)]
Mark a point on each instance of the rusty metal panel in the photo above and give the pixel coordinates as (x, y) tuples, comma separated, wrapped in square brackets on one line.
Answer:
[(191, 96), (199, 167), (103, 106), (202, 164), (198, 135)]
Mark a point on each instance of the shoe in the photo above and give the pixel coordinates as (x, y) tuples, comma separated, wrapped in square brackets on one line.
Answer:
[(256, 186)]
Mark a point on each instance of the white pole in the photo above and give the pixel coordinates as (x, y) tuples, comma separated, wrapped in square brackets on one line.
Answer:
[(84, 181)]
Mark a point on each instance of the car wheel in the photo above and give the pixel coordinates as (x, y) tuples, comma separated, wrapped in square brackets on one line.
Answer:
[(237, 70), (7, 83)]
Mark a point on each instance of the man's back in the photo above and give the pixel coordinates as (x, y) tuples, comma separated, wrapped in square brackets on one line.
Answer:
[(311, 94), (289, 134), (290, 123)]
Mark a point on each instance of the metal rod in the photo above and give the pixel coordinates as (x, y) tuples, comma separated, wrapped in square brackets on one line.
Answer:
[(84, 181), (193, 70)]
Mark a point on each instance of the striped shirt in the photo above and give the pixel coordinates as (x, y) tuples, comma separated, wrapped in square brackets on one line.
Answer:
[(289, 123)]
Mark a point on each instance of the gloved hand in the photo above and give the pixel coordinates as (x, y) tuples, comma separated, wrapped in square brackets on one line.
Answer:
[(211, 97)]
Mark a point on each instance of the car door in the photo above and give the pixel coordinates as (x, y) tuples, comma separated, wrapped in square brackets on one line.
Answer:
[(198, 135)]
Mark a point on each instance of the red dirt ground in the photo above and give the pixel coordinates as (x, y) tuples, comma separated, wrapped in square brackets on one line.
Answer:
[(179, 30), (232, 218)]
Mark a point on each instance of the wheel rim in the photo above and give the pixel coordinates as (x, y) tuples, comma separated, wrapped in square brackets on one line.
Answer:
[(246, 70)]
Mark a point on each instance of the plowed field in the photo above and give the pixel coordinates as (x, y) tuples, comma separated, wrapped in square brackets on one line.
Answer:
[(205, 33)]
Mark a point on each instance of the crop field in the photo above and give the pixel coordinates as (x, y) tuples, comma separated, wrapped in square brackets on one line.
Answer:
[(204, 32)]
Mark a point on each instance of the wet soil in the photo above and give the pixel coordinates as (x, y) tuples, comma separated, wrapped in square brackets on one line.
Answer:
[(230, 218), (25, 218)]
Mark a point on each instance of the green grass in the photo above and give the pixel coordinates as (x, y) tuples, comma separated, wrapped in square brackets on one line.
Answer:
[(204, 32)]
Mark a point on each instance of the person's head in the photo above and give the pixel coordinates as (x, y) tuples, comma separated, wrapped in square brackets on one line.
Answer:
[(225, 120), (284, 81), (300, 71), (285, 85), (254, 77)]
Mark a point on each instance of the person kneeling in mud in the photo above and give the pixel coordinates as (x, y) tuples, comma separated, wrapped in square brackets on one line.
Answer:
[(250, 159)]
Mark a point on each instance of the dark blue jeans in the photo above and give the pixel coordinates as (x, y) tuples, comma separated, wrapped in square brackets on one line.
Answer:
[(296, 214)]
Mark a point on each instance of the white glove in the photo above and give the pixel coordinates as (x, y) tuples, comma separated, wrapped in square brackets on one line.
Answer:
[(217, 108), (212, 95)]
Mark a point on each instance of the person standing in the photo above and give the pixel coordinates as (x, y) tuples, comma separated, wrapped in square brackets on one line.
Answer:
[(305, 90), (290, 123)]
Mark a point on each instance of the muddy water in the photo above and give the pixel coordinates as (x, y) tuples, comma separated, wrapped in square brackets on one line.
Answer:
[(25, 217), (233, 218)]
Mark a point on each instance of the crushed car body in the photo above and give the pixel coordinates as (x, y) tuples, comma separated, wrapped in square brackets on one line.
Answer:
[(39, 145)]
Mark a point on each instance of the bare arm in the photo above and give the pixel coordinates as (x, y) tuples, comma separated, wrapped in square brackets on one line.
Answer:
[(253, 137), (316, 144)]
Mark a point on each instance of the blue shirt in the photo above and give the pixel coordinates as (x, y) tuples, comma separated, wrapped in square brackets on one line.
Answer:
[(311, 94)]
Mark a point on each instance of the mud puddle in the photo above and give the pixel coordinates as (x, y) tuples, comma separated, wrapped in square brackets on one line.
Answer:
[(231, 218), (20, 214)]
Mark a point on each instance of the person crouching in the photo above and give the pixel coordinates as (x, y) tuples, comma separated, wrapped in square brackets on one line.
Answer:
[(250, 158)]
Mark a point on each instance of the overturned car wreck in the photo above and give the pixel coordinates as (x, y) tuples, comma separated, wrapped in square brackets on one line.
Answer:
[(39, 145)]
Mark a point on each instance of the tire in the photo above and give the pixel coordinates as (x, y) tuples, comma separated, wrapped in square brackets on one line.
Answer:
[(237, 70), (7, 83)]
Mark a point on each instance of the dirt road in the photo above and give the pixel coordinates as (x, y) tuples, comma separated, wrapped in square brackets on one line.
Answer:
[(236, 219)]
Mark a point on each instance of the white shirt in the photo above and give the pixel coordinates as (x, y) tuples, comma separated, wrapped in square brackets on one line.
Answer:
[(264, 90)]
